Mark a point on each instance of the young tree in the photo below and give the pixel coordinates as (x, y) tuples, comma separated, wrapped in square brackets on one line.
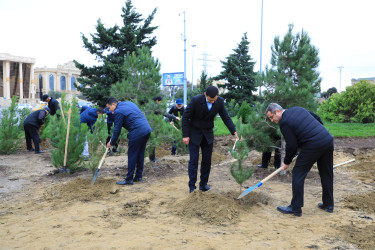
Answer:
[(11, 127), (77, 135), (293, 78), (141, 79), (110, 47), (239, 75)]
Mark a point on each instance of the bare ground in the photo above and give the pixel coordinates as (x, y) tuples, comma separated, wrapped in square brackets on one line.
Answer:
[(44, 210)]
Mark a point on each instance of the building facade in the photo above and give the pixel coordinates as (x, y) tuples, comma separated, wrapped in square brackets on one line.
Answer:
[(59, 79), (369, 79), (16, 79)]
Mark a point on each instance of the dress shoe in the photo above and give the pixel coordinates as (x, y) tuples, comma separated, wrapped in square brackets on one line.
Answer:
[(39, 152), (125, 182), (191, 189), (261, 166), (31, 150), (137, 179), (154, 160), (328, 209), (110, 153), (290, 210), (205, 188)]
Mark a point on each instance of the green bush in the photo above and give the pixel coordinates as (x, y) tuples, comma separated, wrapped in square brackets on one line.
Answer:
[(356, 104), (11, 128)]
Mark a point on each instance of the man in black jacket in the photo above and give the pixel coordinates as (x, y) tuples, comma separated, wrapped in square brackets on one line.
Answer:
[(197, 132), (304, 130), (178, 111), (53, 104), (31, 125)]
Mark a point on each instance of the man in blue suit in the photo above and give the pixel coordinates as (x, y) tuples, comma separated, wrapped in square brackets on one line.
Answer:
[(129, 116), (89, 116)]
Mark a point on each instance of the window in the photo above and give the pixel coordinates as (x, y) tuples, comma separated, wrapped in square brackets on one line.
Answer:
[(51, 82), (62, 83), (73, 80)]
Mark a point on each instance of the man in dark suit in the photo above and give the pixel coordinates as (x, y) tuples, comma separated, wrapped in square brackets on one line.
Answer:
[(53, 104), (197, 132), (303, 129), (32, 125)]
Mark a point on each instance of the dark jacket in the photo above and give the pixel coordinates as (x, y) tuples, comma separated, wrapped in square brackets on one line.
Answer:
[(303, 130), (89, 116), (176, 112), (197, 121), (157, 111), (110, 116), (53, 105), (35, 119), (130, 117)]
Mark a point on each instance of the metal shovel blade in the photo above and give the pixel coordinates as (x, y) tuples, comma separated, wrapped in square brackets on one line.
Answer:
[(249, 190)]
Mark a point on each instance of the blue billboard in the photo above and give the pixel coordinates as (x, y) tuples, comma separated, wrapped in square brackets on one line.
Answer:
[(172, 79)]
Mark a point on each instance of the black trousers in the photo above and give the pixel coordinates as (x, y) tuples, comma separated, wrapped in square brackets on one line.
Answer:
[(31, 133), (205, 164), (304, 163), (266, 157)]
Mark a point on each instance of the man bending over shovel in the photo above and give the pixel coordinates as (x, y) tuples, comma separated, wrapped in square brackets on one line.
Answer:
[(304, 130), (130, 117)]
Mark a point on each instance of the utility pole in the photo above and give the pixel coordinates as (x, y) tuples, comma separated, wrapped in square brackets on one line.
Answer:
[(192, 68), (340, 67), (185, 81), (261, 41)]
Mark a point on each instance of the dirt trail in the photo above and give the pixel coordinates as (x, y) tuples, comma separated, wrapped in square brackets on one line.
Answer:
[(43, 210)]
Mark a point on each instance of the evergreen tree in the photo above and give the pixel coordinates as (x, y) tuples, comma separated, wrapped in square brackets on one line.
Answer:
[(204, 82), (77, 137), (141, 79), (239, 75), (293, 78), (110, 47), (11, 128)]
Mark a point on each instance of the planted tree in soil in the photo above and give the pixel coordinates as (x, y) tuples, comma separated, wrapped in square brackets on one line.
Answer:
[(11, 127), (77, 135), (237, 169)]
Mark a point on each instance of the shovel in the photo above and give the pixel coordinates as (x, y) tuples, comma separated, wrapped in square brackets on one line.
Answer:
[(275, 173), (64, 170), (99, 166)]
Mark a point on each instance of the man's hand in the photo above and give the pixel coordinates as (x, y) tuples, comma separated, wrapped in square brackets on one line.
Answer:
[(235, 133), (171, 123), (186, 140), (178, 118), (284, 166), (109, 144)]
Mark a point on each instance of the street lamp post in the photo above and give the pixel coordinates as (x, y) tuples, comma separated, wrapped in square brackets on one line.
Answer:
[(340, 67), (185, 83), (261, 40), (192, 68)]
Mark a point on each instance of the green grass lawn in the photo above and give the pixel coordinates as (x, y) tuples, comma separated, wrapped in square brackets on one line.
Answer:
[(336, 129)]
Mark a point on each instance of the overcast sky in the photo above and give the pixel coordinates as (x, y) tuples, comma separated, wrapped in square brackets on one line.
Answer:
[(343, 31)]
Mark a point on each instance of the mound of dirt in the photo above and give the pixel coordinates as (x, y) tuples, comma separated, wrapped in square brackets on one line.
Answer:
[(217, 209), (81, 190), (361, 202), (208, 207)]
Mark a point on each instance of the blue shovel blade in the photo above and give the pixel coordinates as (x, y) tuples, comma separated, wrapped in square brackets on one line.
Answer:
[(95, 176), (249, 190)]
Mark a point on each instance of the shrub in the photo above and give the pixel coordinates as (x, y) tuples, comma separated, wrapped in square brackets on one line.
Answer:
[(11, 128), (356, 104)]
